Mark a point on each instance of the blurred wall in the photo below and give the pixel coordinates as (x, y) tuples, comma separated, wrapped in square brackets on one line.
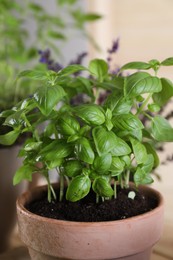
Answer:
[(145, 29)]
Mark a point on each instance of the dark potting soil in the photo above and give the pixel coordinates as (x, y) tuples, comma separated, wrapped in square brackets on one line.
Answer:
[(87, 210)]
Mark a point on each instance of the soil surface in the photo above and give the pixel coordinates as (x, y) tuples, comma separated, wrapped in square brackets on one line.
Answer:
[(87, 210)]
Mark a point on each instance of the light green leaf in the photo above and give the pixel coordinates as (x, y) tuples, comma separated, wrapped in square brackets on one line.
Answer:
[(102, 187), (167, 62), (99, 68), (23, 173), (138, 65), (161, 129), (139, 150), (38, 75), (165, 94), (79, 187), (71, 69), (9, 138), (47, 98), (85, 151)]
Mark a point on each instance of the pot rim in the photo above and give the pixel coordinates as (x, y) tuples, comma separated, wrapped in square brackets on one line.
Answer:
[(27, 196)]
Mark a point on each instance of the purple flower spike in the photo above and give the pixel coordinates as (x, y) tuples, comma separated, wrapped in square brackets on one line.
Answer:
[(115, 47)]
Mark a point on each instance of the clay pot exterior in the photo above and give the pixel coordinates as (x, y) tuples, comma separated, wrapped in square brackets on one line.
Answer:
[(9, 163), (129, 239)]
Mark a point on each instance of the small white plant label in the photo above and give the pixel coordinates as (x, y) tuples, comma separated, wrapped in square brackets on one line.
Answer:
[(131, 195)]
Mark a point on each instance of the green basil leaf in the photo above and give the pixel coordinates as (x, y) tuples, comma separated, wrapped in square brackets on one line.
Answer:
[(91, 113), (23, 173), (136, 133), (85, 151), (118, 104), (153, 107), (31, 146), (140, 83), (161, 129), (148, 164), (104, 140), (38, 75), (71, 69), (141, 177), (56, 35), (151, 150), (9, 138), (57, 149), (99, 68), (47, 98), (72, 168), (138, 65), (79, 187), (139, 150), (167, 62), (165, 94), (102, 187), (127, 122), (102, 163), (117, 166), (55, 162), (68, 125), (120, 148)]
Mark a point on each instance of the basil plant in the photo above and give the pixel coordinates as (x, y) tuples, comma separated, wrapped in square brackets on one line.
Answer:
[(92, 144)]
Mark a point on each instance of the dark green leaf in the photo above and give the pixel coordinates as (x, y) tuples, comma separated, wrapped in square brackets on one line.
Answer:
[(120, 148), (139, 150), (68, 125), (165, 94), (161, 129), (99, 68), (127, 122), (102, 163), (85, 151), (47, 98), (148, 164), (140, 83), (72, 168), (104, 140), (141, 177), (117, 166), (91, 113), (150, 150), (79, 187), (102, 187), (56, 149)]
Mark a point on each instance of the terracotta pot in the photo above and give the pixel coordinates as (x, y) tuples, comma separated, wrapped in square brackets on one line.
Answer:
[(8, 193), (130, 239)]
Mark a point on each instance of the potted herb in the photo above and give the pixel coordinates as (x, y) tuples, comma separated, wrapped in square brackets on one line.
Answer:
[(18, 51), (94, 211)]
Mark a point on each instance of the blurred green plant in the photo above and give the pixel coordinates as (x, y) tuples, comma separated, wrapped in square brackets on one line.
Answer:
[(18, 51)]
